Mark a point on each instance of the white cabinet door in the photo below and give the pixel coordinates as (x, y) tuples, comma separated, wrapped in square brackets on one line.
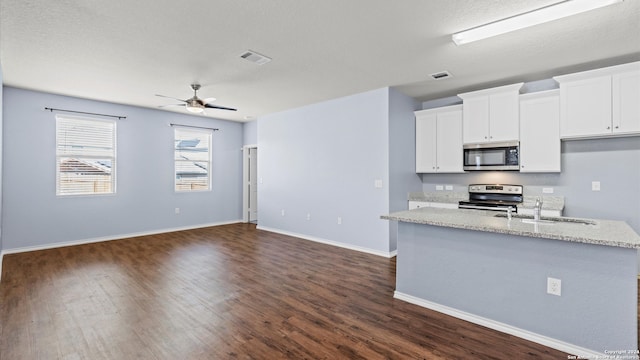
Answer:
[(439, 140), (585, 107), (449, 153), (491, 115), (444, 205), (475, 120), (503, 117), (414, 204), (626, 103), (426, 137), (540, 132)]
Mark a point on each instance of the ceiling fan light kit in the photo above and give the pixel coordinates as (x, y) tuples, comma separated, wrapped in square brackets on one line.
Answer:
[(539, 16), (194, 107), (195, 104)]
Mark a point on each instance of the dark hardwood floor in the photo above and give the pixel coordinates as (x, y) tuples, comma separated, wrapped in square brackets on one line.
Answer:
[(223, 293)]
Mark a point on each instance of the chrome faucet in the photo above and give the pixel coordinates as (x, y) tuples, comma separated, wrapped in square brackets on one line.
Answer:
[(537, 209)]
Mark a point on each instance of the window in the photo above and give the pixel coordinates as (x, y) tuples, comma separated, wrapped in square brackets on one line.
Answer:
[(85, 156), (192, 159)]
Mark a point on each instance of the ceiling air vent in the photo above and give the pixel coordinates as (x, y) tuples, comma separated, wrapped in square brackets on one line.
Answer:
[(255, 57), (441, 75)]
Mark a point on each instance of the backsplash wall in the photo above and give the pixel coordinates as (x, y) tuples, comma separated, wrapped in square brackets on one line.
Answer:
[(615, 162)]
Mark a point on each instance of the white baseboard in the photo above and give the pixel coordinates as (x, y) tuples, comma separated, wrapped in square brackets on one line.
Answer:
[(330, 242), (581, 352), (111, 237)]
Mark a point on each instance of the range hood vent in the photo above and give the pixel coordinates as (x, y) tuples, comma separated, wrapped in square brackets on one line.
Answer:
[(255, 57)]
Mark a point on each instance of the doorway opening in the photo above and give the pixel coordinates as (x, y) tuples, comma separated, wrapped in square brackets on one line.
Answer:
[(250, 184)]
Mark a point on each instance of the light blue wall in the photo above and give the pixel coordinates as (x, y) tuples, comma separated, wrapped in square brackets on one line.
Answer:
[(402, 156), (504, 278), (323, 160), (250, 133), (145, 199)]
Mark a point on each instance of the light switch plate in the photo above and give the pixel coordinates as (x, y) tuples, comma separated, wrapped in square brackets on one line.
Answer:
[(378, 183), (547, 190), (448, 187), (439, 187), (595, 186)]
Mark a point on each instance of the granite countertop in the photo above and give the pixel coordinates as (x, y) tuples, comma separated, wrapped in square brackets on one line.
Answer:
[(452, 197), (602, 232)]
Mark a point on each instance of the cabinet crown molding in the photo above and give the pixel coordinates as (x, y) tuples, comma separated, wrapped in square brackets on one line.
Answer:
[(495, 90), (540, 94), (438, 110), (607, 71)]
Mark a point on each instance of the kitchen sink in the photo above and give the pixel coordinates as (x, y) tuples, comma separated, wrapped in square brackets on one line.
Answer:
[(547, 219)]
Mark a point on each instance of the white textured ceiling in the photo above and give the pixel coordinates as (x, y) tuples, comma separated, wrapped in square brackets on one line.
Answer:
[(126, 51)]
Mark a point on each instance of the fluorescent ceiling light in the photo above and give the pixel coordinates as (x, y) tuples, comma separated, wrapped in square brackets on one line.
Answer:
[(531, 18)]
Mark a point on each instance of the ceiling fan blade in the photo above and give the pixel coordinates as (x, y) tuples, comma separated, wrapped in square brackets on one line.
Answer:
[(163, 106), (219, 107), (169, 97)]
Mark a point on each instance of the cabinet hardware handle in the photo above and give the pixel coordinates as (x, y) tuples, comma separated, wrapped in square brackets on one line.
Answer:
[(608, 127), (617, 127)]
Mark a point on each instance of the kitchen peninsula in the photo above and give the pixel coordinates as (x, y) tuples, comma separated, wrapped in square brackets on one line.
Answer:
[(494, 271)]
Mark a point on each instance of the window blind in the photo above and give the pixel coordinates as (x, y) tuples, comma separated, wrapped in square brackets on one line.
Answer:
[(85, 156), (192, 157)]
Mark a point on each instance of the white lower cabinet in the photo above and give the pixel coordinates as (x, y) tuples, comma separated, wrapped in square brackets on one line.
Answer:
[(416, 204), (439, 140), (540, 132), (413, 204), (444, 205)]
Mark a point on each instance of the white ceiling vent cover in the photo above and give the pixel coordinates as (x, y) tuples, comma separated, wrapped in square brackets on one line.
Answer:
[(440, 75), (255, 57)]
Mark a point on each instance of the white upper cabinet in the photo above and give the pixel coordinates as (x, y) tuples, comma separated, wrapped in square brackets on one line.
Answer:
[(601, 102), (426, 142), (449, 150), (491, 115), (439, 140), (626, 102), (540, 132)]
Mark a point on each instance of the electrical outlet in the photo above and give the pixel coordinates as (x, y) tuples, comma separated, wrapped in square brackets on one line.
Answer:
[(547, 190), (282, 212), (308, 216), (439, 187), (177, 211), (595, 186), (339, 220), (448, 187), (554, 286)]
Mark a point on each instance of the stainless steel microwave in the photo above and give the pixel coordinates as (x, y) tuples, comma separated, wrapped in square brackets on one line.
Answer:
[(492, 156)]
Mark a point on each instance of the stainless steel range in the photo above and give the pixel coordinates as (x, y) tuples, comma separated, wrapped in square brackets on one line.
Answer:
[(493, 197)]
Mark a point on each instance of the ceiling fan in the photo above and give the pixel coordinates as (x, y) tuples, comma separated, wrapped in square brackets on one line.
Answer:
[(195, 104)]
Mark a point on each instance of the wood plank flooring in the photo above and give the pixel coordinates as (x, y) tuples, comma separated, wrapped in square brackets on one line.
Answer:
[(228, 292)]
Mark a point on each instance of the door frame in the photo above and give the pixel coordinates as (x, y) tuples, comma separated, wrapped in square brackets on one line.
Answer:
[(245, 181)]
